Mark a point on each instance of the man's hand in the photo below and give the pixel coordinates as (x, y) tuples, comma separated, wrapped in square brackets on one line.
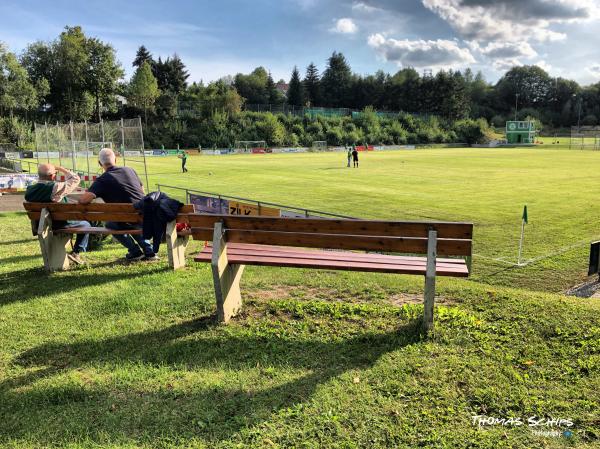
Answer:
[(86, 198)]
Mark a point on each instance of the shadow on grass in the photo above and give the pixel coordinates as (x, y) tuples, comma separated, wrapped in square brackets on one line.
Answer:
[(17, 259), (17, 242), (209, 412), (33, 283)]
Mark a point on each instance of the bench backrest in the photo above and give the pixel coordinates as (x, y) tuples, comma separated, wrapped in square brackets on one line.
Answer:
[(453, 239), (124, 213)]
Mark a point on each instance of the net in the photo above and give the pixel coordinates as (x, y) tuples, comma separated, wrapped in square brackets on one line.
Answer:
[(75, 146), (246, 146)]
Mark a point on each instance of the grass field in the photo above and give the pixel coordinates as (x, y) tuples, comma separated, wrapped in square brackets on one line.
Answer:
[(114, 355), (126, 356), (486, 186)]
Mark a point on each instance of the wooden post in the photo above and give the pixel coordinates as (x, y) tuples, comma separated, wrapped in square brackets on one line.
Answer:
[(226, 277), (430, 282), (53, 247), (176, 246)]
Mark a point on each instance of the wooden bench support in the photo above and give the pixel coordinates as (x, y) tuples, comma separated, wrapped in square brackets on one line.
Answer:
[(430, 272), (53, 246), (226, 278), (176, 246)]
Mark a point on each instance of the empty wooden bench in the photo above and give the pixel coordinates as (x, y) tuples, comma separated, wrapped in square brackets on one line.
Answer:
[(302, 243), (54, 242)]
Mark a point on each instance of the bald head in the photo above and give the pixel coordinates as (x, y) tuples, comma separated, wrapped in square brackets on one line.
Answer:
[(46, 172), (107, 158)]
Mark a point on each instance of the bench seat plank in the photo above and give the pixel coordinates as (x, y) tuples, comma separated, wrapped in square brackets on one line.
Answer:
[(333, 260), (97, 231)]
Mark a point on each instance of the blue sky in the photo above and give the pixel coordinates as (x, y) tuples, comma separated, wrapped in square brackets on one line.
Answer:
[(215, 39)]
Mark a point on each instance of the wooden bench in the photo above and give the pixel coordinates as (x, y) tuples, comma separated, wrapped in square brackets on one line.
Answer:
[(302, 243), (53, 243)]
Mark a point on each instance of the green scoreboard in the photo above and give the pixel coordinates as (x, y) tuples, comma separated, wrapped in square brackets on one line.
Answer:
[(520, 132)]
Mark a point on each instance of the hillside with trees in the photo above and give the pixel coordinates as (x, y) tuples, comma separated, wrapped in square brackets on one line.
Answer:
[(77, 77)]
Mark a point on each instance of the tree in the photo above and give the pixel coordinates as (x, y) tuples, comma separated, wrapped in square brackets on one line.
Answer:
[(337, 82), (312, 85), (295, 94), (69, 85), (274, 96), (104, 74), (170, 74), (142, 55), (253, 87), (16, 90), (143, 89)]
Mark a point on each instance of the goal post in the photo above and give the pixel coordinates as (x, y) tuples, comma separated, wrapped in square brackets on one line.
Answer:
[(246, 146), (319, 145)]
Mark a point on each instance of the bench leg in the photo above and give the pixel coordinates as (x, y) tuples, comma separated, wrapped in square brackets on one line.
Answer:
[(53, 247), (226, 278), (430, 282), (175, 246)]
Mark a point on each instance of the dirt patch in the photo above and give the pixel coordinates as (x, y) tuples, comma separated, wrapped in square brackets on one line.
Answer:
[(588, 289), (11, 203), (333, 295)]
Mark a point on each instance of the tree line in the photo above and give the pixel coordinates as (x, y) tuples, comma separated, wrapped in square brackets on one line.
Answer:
[(77, 77)]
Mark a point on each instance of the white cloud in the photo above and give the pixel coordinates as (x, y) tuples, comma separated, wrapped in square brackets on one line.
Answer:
[(344, 26), (594, 70), (511, 20), (363, 7), (435, 54)]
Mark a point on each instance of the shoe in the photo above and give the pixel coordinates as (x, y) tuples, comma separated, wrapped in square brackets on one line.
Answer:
[(151, 258), (133, 258), (75, 258)]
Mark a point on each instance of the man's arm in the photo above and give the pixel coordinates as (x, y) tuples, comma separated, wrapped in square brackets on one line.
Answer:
[(62, 189), (86, 198)]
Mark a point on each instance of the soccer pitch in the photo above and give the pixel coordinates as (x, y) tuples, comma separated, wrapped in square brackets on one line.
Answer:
[(486, 186)]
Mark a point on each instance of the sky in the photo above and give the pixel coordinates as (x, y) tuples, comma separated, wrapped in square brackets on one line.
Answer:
[(225, 37)]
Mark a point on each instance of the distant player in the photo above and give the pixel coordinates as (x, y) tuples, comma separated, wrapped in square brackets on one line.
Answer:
[(349, 156), (355, 156), (183, 156)]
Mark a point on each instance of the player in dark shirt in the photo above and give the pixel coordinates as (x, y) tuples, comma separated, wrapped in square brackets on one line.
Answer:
[(120, 185), (355, 157)]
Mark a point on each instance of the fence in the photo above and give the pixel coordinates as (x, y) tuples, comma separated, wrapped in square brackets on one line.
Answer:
[(72, 145), (183, 194), (585, 137)]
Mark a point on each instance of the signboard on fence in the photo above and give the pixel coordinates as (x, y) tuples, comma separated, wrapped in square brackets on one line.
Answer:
[(209, 204), (237, 208), (12, 155), (15, 183), (46, 154), (132, 153)]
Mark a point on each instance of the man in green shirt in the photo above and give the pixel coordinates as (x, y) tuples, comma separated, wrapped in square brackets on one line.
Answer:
[(49, 190), (183, 156)]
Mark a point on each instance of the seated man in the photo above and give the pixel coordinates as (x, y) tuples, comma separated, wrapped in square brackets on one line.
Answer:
[(120, 185), (48, 190)]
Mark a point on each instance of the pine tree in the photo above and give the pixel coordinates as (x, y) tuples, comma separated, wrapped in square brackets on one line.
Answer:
[(312, 85), (142, 56), (295, 95), (273, 94), (143, 89), (336, 82)]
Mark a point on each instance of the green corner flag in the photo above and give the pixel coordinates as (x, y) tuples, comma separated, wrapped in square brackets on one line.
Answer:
[(525, 215)]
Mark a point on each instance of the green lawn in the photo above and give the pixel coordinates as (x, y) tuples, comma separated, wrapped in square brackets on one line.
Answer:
[(486, 186), (115, 355)]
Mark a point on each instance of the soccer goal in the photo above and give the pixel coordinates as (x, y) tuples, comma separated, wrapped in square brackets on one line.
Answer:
[(246, 146), (319, 145)]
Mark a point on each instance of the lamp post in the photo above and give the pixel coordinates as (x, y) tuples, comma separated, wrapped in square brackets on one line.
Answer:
[(516, 105)]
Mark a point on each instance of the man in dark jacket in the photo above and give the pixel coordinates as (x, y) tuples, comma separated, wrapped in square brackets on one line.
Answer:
[(120, 185)]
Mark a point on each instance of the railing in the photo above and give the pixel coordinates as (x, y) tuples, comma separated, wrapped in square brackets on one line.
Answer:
[(185, 193)]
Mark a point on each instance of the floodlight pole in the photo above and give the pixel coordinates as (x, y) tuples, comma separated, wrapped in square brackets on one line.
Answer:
[(47, 142), (59, 146), (123, 142), (37, 148), (144, 153), (73, 147), (87, 150), (516, 105)]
